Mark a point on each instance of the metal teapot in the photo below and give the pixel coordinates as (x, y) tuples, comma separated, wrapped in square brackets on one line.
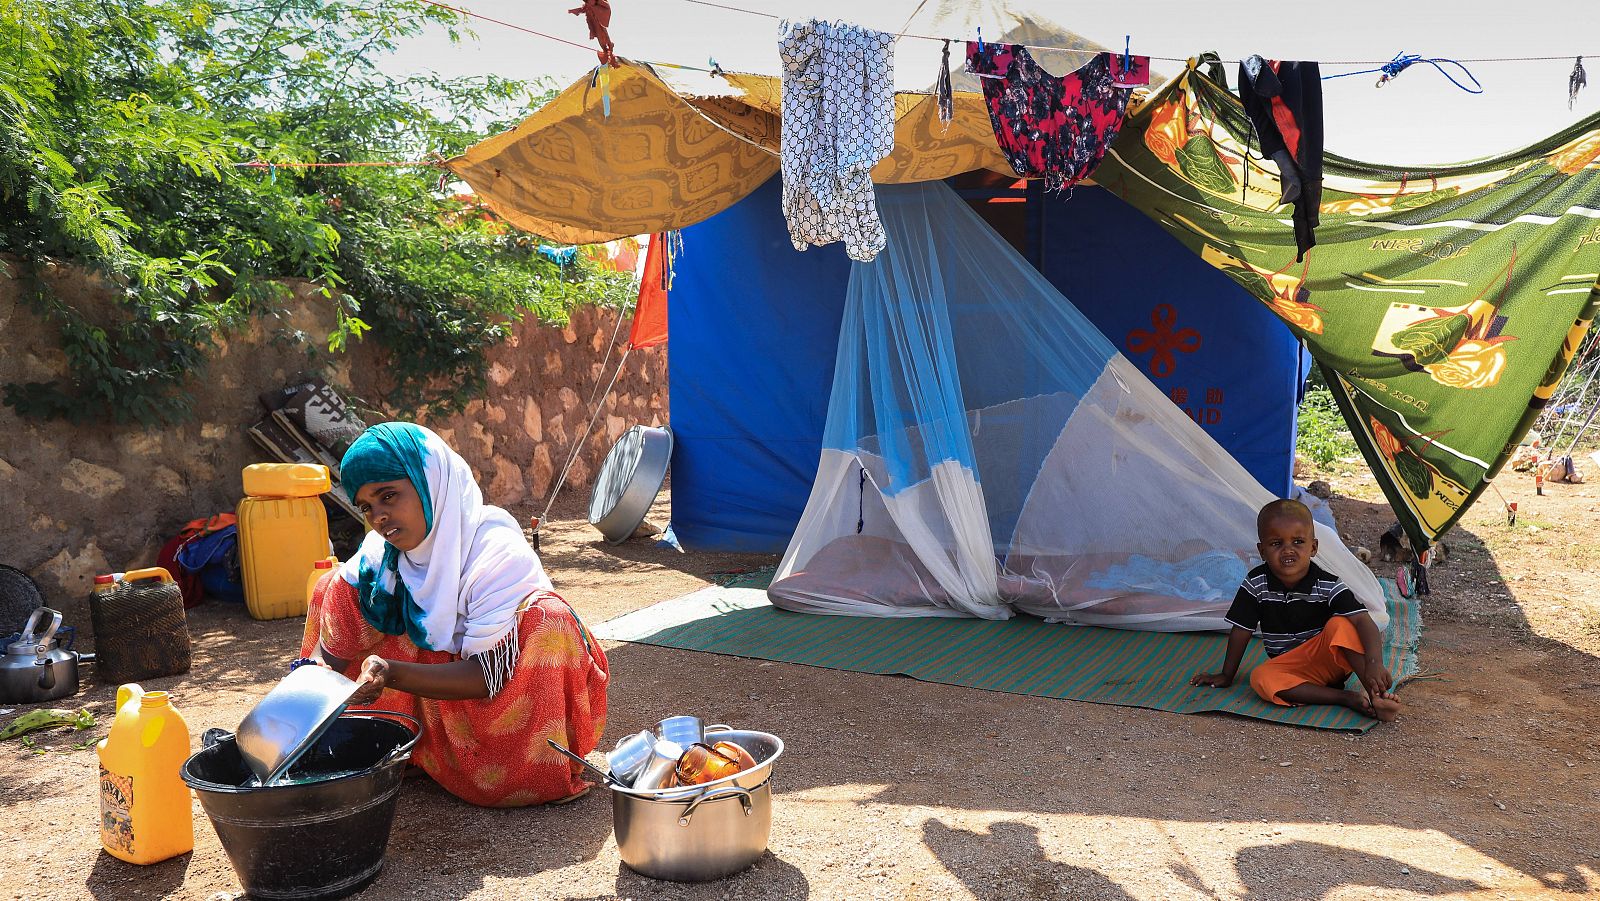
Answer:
[(36, 669)]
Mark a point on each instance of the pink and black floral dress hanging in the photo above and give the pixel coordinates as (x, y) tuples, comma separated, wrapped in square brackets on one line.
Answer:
[(1050, 127)]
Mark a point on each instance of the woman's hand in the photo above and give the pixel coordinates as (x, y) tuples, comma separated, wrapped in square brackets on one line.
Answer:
[(1215, 680), (373, 680)]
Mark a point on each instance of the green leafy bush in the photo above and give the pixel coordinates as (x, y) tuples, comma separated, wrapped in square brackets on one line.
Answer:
[(122, 124), (1322, 436)]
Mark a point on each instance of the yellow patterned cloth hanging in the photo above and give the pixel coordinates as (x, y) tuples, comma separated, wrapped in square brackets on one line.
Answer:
[(924, 149), (572, 174), (664, 160)]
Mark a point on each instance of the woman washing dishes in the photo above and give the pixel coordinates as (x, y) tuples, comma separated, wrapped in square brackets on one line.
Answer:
[(445, 613)]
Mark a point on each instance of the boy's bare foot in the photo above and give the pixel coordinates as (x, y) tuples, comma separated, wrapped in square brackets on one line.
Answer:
[(1381, 708), (1385, 709)]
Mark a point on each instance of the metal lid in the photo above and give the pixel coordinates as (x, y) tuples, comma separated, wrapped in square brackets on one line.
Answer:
[(30, 648), (290, 719)]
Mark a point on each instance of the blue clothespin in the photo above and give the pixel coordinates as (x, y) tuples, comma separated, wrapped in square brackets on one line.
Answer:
[(272, 173), (980, 38), (1127, 54), (602, 79)]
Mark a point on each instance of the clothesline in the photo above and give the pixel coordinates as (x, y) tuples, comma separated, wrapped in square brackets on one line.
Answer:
[(1169, 59), (717, 70), (394, 164), (469, 13), (1397, 63)]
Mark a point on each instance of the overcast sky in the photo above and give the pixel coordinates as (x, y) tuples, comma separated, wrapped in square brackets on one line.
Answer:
[(1417, 118)]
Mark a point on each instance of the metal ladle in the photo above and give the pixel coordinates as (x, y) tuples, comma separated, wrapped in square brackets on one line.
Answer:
[(604, 776)]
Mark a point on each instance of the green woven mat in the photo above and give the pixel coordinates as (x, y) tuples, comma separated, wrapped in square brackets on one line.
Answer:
[(1022, 655)]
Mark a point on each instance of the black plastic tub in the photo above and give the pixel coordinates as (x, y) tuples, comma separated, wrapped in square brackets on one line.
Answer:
[(321, 834)]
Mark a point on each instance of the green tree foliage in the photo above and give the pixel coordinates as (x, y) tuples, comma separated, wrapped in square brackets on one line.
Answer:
[(121, 126), (1321, 434)]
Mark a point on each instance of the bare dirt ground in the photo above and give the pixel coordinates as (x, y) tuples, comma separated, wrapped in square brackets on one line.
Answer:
[(892, 788)]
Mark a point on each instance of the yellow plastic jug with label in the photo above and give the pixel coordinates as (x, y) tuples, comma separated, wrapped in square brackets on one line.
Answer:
[(145, 815)]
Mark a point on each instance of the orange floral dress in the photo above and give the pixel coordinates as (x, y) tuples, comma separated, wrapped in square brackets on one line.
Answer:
[(491, 751)]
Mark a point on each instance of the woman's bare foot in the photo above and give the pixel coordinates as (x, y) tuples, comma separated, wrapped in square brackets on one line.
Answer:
[(574, 796)]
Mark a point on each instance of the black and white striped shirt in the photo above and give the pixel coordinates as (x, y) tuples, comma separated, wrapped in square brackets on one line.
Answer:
[(1288, 617)]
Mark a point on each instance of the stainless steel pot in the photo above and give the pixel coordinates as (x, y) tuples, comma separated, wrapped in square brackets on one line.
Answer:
[(716, 833), (36, 669)]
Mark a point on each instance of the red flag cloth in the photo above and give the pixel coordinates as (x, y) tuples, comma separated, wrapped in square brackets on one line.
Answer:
[(650, 314), (598, 15)]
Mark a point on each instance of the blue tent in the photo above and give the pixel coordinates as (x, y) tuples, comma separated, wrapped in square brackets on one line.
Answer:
[(755, 328)]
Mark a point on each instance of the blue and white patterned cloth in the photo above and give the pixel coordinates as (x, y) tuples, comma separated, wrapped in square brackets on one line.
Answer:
[(838, 122)]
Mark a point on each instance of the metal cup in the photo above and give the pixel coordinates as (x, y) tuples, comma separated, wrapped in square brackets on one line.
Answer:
[(685, 730), (630, 755), (663, 762)]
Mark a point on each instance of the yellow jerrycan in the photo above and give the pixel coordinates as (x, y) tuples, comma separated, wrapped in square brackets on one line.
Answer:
[(281, 536), (313, 627), (145, 814)]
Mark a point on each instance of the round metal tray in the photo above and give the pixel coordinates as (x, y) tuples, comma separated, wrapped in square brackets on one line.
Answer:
[(290, 718), (19, 597), (629, 480)]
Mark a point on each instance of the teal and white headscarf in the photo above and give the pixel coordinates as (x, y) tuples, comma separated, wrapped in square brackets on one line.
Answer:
[(460, 590)]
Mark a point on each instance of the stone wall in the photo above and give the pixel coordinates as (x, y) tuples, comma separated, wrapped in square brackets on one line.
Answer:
[(541, 383), (86, 499)]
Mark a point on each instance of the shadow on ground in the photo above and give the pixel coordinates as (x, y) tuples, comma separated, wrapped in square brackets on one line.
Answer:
[(983, 861), (110, 879)]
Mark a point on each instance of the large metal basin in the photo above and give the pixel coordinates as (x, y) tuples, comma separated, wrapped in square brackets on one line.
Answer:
[(629, 480), (705, 831)]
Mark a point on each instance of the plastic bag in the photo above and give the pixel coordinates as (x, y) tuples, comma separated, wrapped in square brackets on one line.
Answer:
[(214, 557)]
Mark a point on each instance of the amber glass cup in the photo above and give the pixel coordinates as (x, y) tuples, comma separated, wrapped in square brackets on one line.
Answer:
[(702, 763)]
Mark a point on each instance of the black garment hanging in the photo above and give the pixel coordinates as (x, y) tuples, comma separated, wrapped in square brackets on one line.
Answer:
[(1284, 103)]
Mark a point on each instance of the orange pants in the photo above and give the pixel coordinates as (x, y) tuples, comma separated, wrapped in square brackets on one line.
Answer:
[(1317, 662)]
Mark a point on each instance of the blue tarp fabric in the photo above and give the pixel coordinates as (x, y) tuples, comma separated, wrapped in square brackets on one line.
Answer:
[(1216, 351), (755, 328)]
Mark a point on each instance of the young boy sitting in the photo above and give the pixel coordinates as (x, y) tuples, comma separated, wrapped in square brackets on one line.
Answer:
[(1315, 630)]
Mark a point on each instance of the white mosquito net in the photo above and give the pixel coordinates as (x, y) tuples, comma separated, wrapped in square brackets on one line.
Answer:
[(987, 450)]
